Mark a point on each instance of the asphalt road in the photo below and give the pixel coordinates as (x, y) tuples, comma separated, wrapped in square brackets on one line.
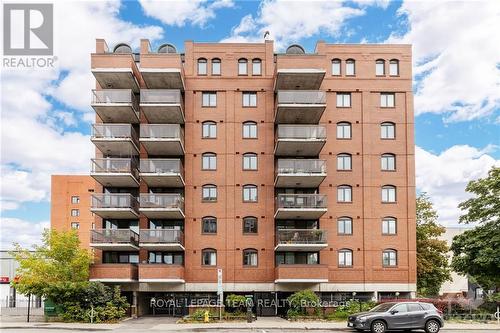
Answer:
[(201, 330)]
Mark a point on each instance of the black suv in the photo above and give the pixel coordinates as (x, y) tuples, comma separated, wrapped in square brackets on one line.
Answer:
[(398, 316)]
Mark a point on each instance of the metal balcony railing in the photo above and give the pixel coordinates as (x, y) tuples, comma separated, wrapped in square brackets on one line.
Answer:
[(113, 131), (301, 201), (114, 165), (114, 236), (162, 200), (162, 131), (301, 97), (161, 96), (301, 132), (161, 165), (159, 236), (114, 200), (115, 96), (302, 166), (301, 236)]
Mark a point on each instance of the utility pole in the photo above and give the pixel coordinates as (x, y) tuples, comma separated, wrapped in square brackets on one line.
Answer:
[(29, 304)]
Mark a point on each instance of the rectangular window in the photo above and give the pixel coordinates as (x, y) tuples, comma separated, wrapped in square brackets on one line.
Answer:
[(387, 131), (389, 226), (344, 226), (343, 131), (344, 194), (209, 193), (379, 68), (202, 67), (249, 258), (249, 131), (209, 99), (256, 67), (75, 225), (388, 163), (336, 67), (389, 258), (209, 226), (350, 68), (387, 100), (344, 162), (215, 67), (343, 100), (250, 225), (75, 212), (388, 194), (242, 67), (250, 193), (345, 258), (209, 162), (394, 68), (209, 258), (250, 162), (209, 130), (75, 199), (249, 99)]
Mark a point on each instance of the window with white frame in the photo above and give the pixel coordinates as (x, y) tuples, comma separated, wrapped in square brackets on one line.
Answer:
[(242, 67), (216, 66), (380, 67), (209, 192), (250, 257), (249, 130), (345, 258), (394, 67), (388, 193), (202, 66), (209, 161), (75, 225), (249, 99), (75, 212), (343, 130), (344, 161), (75, 199), (344, 193), (249, 161), (344, 225), (209, 130), (249, 193), (336, 63), (389, 225), (350, 67), (388, 162), (343, 100), (390, 257), (209, 99), (387, 100), (387, 130), (256, 67), (209, 257)]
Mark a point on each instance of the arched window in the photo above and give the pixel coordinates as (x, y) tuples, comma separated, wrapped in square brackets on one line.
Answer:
[(250, 225), (209, 130), (344, 193), (389, 257), (345, 258), (250, 193), (167, 48), (249, 161), (209, 257), (242, 66), (336, 63), (350, 67), (344, 225), (202, 66), (209, 193), (388, 162), (249, 130), (250, 257), (394, 67), (387, 130), (344, 161), (209, 225), (380, 67), (256, 67), (209, 161), (216, 64), (389, 225), (343, 130), (388, 193)]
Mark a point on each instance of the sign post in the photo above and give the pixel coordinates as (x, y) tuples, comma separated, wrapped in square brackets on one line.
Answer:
[(220, 291)]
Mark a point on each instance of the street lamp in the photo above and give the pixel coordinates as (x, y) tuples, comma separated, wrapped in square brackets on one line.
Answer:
[(397, 294)]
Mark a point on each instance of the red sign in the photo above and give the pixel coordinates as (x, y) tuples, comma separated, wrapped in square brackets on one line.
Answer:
[(4, 279)]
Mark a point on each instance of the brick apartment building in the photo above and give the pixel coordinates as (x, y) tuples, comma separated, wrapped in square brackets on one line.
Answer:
[(286, 170)]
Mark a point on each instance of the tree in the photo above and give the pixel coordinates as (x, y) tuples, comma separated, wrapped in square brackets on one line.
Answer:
[(476, 252), (59, 261), (432, 259)]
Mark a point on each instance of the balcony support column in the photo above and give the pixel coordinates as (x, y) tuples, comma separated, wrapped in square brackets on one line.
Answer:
[(134, 304)]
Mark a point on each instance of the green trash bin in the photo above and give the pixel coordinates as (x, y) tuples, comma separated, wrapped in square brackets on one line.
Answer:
[(49, 308)]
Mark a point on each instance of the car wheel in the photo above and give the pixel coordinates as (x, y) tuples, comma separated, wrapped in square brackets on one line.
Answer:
[(378, 326), (432, 326)]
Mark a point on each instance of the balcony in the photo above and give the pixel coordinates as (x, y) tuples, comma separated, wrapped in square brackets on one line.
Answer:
[(162, 139), (300, 140), (301, 273), (116, 105), (115, 172), (115, 139), (163, 106), (114, 205), (114, 239), (162, 205), (300, 106), (114, 272), (162, 70), (300, 173), (161, 273), (115, 70), (300, 206), (162, 239), (162, 172), (300, 240), (298, 79)]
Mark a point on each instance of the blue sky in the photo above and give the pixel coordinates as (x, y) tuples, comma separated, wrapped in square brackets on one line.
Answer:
[(456, 71)]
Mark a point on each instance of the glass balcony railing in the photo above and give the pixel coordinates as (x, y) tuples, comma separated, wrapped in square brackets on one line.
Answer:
[(113, 131), (114, 96), (161, 96), (161, 165), (301, 132), (301, 236), (301, 97), (114, 165), (114, 200), (302, 166), (301, 201), (162, 131), (159, 236), (114, 236), (162, 200)]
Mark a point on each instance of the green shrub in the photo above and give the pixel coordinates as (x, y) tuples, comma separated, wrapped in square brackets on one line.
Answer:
[(301, 300), (198, 315), (236, 302)]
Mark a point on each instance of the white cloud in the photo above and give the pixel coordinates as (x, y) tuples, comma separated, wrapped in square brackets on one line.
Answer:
[(456, 51), (181, 12), (25, 233), (291, 21), (444, 176)]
